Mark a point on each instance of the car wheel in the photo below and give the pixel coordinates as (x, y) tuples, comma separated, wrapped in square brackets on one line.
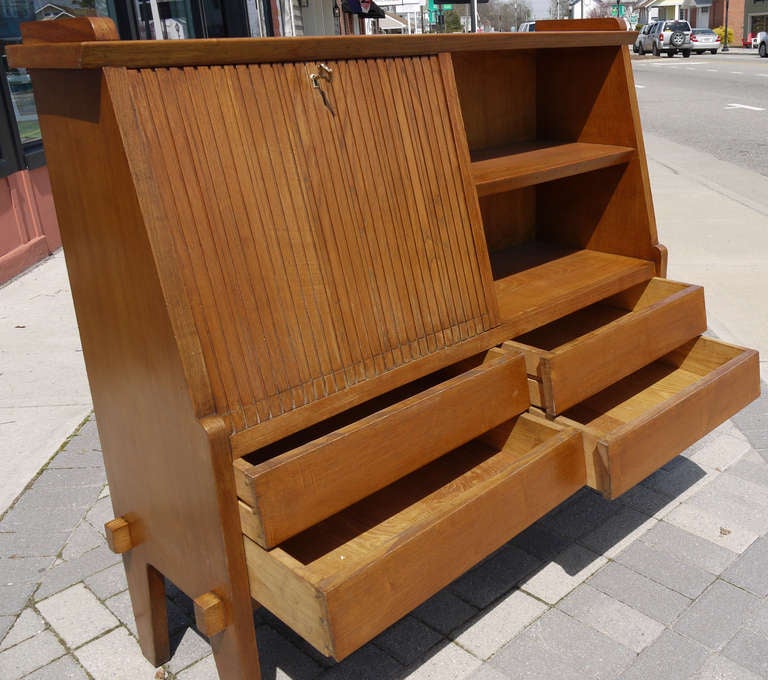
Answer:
[(671, 53), (677, 39), (656, 53), (713, 51), (640, 49), (762, 51), (686, 54), (634, 48)]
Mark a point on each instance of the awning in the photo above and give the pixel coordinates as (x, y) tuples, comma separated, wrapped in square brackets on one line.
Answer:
[(667, 3), (368, 10), (392, 22)]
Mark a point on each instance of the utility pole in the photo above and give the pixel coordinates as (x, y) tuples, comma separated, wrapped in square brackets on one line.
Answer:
[(725, 37)]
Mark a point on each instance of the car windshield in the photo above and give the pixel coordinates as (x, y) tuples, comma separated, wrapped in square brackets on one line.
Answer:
[(677, 26)]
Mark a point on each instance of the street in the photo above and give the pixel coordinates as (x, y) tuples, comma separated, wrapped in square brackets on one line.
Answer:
[(705, 125), (714, 103)]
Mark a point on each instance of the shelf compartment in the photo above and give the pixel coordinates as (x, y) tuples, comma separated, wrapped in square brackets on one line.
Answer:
[(637, 425), (538, 283), (304, 484), (575, 357), (342, 582), (513, 167)]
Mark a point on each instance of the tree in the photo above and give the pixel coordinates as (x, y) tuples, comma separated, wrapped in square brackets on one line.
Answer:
[(503, 15), (558, 9), (601, 9), (452, 22)]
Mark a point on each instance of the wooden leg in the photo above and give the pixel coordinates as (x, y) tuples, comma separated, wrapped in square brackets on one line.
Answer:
[(147, 589), (234, 648)]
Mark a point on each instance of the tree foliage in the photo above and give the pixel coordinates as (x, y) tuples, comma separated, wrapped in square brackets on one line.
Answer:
[(453, 22), (601, 9), (720, 30), (503, 15), (558, 9)]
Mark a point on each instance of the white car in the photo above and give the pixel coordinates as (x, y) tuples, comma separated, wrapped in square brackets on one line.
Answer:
[(762, 43), (704, 40)]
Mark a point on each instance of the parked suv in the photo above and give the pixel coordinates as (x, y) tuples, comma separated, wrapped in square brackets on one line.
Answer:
[(671, 37)]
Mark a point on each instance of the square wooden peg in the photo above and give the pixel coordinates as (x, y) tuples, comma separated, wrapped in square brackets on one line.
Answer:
[(119, 535), (210, 614)]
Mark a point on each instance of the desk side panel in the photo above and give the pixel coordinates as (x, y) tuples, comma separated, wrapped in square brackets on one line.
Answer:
[(170, 477)]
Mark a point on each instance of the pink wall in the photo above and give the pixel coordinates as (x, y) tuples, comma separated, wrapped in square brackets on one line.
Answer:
[(28, 228)]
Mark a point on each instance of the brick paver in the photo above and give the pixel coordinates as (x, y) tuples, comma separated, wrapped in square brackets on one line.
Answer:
[(669, 581)]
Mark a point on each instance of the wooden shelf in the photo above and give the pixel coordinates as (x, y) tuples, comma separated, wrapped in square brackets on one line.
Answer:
[(536, 284), (513, 167)]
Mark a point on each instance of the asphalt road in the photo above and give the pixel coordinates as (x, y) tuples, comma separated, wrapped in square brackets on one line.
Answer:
[(714, 103)]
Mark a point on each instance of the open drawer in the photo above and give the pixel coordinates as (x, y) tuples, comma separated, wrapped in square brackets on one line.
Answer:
[(298, 482), (578, 355), (343, 581), (637, 425)]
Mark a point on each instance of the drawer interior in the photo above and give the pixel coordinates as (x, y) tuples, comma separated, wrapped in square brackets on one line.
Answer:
[(638, 424), (580, 354), (299, 482), (344, 580)]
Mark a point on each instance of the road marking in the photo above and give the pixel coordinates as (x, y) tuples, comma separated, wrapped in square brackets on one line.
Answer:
[(730, 107), (736, 73), (762, 75), (639, 87), (713, 70), (673, 64)]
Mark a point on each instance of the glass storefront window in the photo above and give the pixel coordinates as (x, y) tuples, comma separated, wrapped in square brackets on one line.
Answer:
[(165, 19), (18, 96), (23, 102)]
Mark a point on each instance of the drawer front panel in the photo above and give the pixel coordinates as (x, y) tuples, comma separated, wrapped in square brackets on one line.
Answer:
[(419, 568)]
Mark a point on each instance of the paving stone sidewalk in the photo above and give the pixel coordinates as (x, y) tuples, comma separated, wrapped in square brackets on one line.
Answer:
[(668, 582)]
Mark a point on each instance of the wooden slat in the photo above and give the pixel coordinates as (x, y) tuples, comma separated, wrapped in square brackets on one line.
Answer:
[(373, 563), (549, 283), (297, 289), (579, 355), (169, 53), (305, 485), (507, 169)]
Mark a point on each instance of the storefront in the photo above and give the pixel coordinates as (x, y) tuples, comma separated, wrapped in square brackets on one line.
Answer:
[(755, 16)]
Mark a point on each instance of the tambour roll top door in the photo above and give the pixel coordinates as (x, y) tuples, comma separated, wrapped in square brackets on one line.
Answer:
[(324, 234)]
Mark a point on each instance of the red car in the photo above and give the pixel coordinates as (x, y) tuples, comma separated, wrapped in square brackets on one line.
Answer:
[(750, 40)]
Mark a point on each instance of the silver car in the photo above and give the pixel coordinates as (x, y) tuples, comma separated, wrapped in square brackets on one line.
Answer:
[(671, 37), (704, 40), (643, 41)]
